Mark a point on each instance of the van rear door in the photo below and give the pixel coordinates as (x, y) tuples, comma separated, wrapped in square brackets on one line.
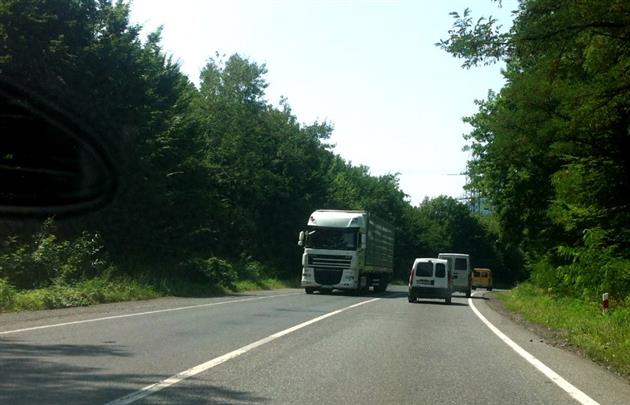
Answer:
[(460, 272), (424, 274), (460, 266), (441, 276)]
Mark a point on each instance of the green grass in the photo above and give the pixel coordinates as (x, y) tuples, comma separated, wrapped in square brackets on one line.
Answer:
[(102, 290), (264, 284), (95, 291), (603, 337)]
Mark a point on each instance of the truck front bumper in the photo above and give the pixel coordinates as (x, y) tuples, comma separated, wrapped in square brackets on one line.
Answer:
[(332, 279)]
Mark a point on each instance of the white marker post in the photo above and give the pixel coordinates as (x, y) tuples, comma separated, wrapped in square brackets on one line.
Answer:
[(605, 302)]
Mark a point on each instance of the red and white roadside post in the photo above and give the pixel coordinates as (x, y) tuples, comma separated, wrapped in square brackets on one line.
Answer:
[(605, 302)]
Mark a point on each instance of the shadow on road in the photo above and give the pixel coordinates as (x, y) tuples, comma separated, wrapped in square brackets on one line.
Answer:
[(393, 295), (453, 303), (77, 374), (198, 391), (365, 294)]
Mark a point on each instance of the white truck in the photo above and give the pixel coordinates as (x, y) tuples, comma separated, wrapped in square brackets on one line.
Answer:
[(346, 250)]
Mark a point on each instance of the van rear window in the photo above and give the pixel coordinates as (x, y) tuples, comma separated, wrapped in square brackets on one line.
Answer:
[(440, 270), (424, 270), (461, 264)]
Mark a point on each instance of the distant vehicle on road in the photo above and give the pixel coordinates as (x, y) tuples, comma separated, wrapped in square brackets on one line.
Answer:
[(482, 278), (459, 263), (430, 278), (346, 250)]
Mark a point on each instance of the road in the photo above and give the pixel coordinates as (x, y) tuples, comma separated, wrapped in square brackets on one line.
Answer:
[(382, 350)]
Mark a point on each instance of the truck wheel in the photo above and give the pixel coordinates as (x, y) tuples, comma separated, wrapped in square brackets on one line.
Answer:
[(468, 293), (308, 290), (380, 288), (447, 300), (363, 289)]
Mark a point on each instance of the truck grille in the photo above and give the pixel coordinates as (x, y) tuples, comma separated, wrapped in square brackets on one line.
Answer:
[(327, 276), (329, 268), (329, 261)]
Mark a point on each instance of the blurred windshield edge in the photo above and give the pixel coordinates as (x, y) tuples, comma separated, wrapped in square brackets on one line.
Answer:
[(50, 164)]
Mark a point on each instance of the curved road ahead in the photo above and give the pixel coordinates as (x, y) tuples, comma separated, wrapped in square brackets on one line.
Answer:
[(376, 349)]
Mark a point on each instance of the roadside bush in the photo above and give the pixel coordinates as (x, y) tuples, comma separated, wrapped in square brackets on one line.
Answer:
[(45, 259), (251, 270), (7, 294), (88, 292), (64, 297), (213, 270), (587, 271)]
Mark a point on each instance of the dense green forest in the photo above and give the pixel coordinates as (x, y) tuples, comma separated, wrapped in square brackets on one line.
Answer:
[(214, 182), (551, 150)]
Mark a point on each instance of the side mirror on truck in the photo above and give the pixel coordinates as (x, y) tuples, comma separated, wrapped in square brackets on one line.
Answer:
[(301, 238)]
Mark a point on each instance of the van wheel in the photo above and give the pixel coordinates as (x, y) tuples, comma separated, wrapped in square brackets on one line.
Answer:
[(468, 293), (411, 298), (447, 300), (490, 288), (308, 290)]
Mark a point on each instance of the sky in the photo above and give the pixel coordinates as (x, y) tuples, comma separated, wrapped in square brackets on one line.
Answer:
[(370, 68)]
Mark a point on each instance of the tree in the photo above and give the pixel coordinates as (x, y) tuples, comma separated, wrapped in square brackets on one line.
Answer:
[(550, 149)]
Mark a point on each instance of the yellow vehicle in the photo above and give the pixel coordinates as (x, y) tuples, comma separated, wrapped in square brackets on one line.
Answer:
[(482, 278)]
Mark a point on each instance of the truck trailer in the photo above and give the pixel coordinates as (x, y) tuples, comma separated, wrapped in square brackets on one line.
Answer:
[(346, 250)]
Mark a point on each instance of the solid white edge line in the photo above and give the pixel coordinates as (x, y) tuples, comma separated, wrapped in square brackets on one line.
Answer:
[(158, 311), (150, 389), (569, 388)]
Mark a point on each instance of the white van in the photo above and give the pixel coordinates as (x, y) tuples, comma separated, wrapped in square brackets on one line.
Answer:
[(459, 263), (430, 278)]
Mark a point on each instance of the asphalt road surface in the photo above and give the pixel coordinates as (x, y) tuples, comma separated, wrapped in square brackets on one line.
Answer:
[(285, 346)]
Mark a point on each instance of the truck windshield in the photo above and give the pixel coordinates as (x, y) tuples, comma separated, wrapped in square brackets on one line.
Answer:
[(331, 238)]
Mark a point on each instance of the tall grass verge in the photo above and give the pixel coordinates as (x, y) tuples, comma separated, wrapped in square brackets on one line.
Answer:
[(605, 338)]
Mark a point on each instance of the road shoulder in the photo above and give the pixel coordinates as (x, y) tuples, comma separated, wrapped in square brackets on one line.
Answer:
[(596, 381)]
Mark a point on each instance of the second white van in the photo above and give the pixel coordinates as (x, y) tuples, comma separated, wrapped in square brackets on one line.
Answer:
[(459, 263)]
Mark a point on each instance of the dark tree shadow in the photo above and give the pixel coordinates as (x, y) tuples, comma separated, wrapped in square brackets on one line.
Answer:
[(441, 302), (50, 374)]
